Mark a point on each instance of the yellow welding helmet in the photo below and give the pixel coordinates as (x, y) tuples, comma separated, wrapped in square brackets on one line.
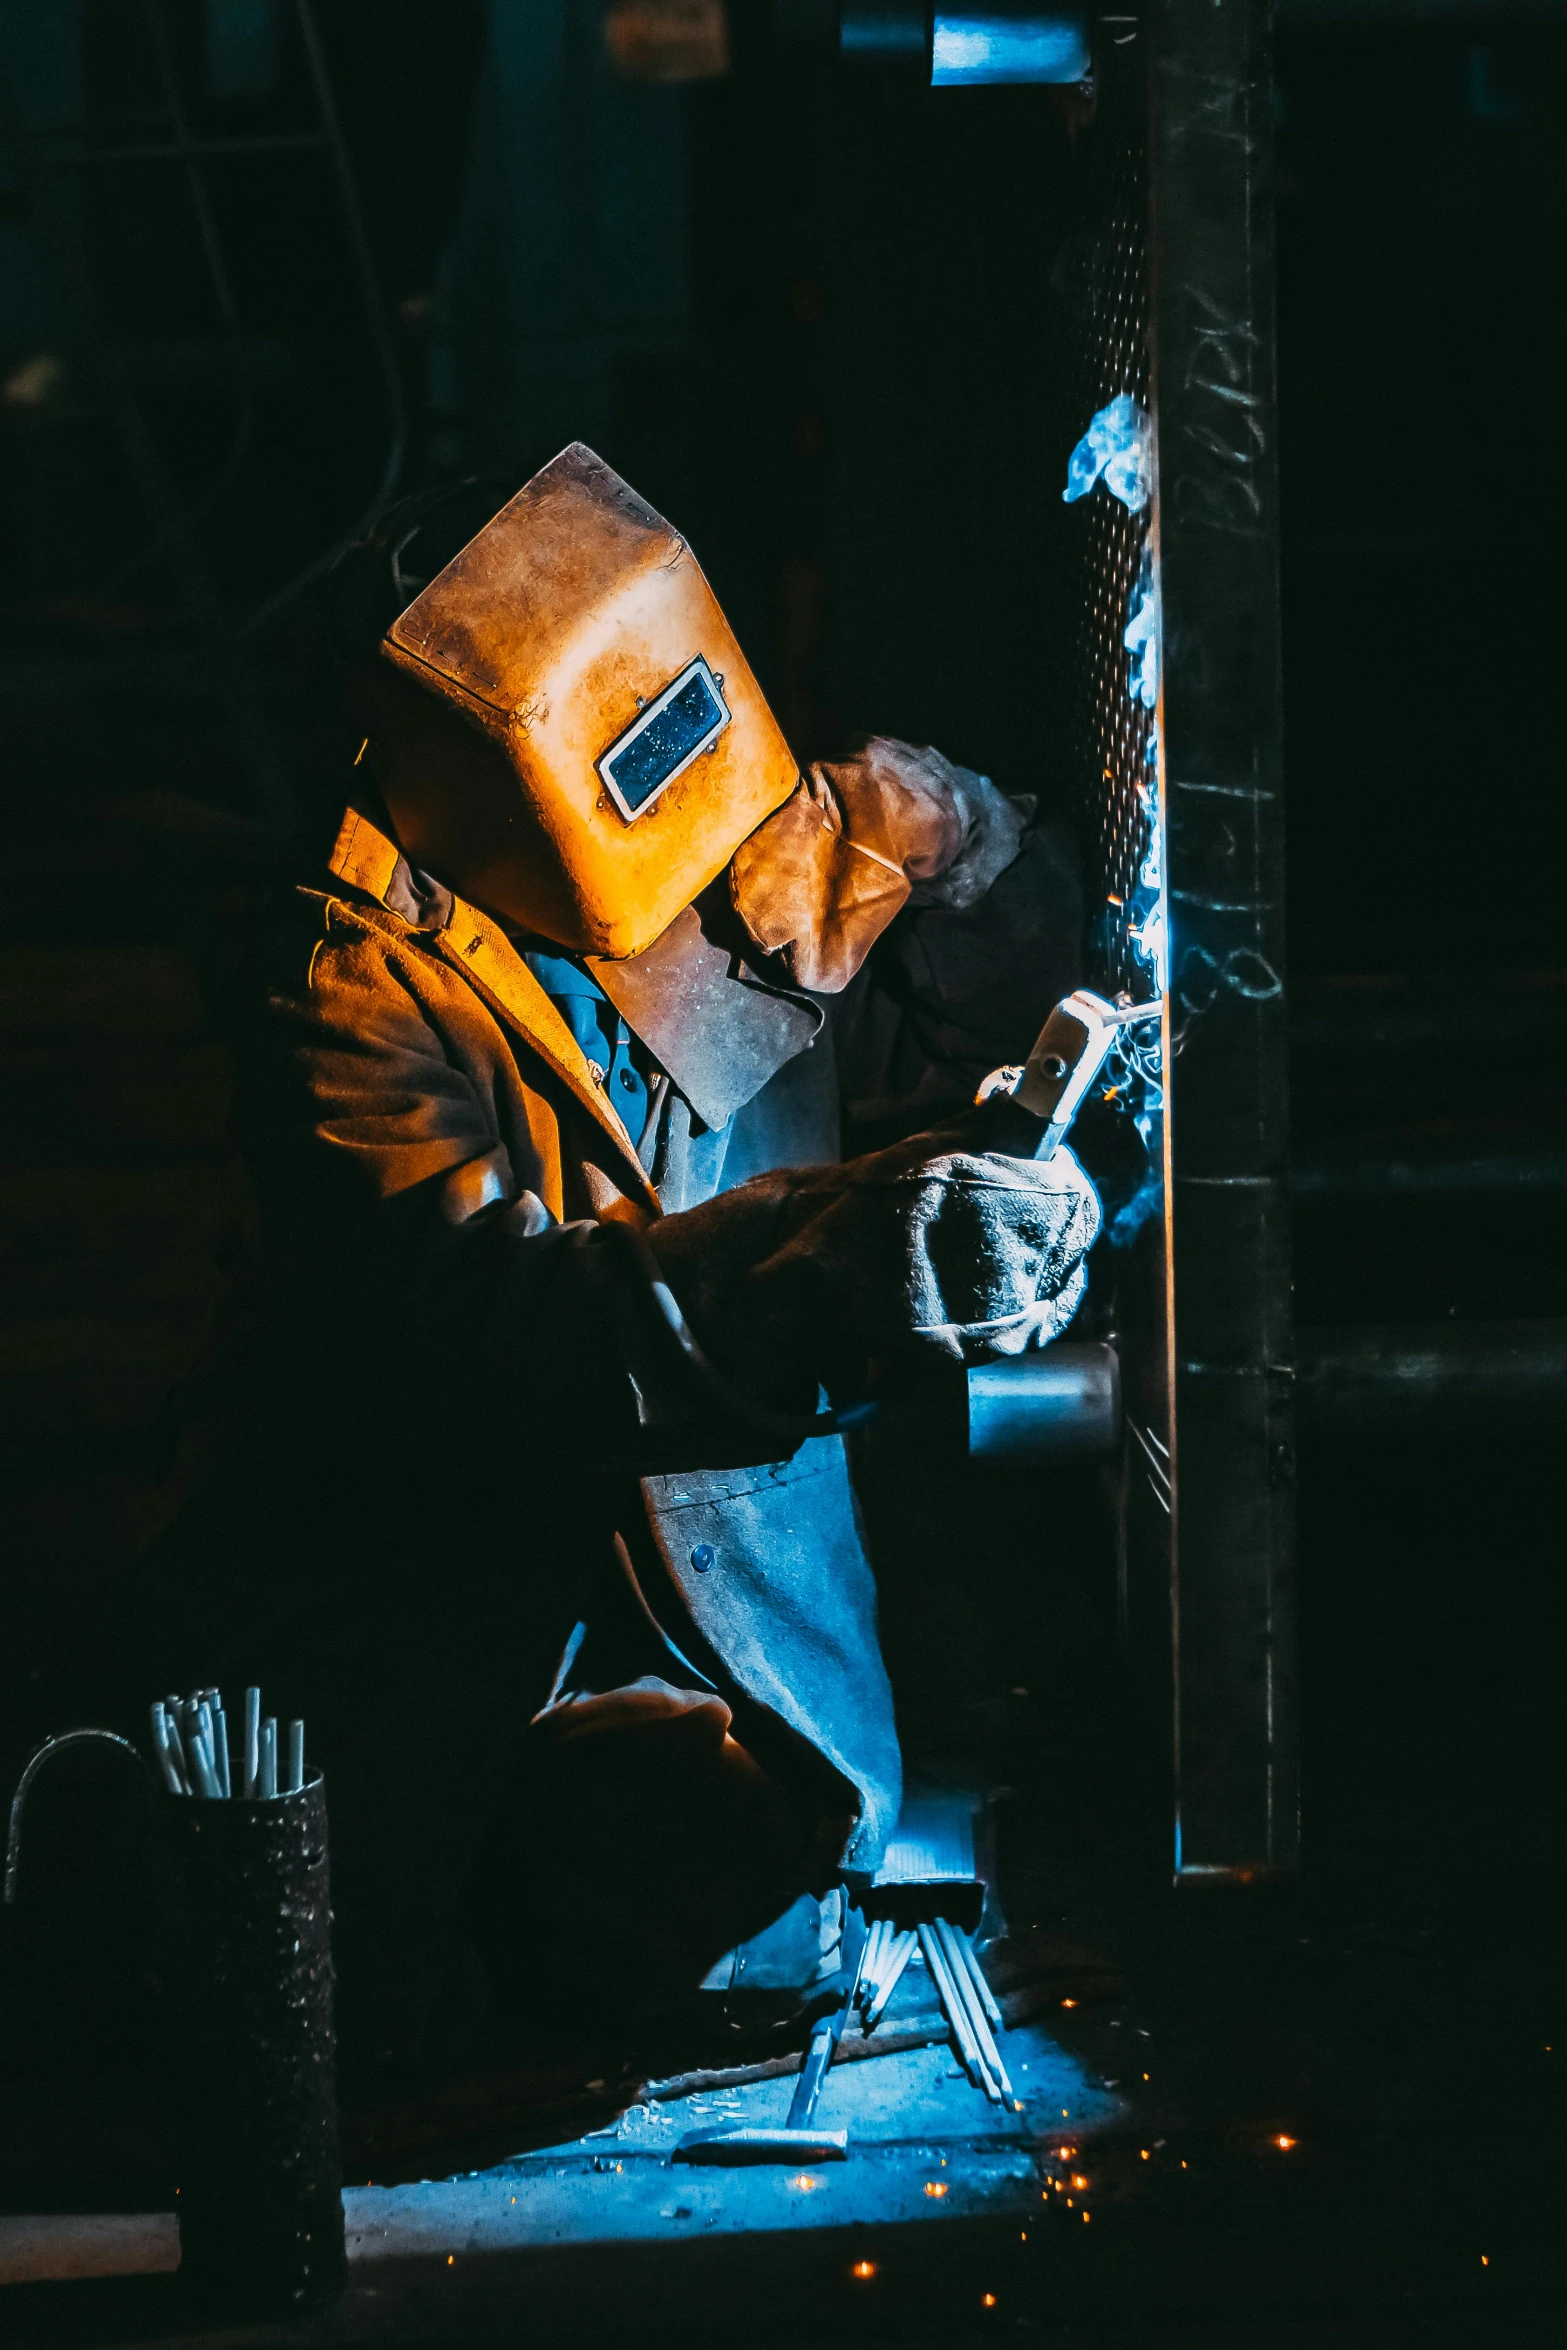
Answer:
[(573, 737)]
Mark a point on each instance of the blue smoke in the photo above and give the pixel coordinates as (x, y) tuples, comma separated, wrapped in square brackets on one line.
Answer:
[(1118, 450)]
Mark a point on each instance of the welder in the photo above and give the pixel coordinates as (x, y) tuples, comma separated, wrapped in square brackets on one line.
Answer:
[(540, 1514)]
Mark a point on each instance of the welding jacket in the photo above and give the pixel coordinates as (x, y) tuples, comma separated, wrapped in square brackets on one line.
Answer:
[(441, 1161), (436, 1435)]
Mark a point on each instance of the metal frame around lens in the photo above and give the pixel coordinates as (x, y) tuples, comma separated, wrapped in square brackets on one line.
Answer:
[(645, 718)]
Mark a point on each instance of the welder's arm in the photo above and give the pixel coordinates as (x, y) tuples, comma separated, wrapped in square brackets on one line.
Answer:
[(942, 1243), (446, 1296)]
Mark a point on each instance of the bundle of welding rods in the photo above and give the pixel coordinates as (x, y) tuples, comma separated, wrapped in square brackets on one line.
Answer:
[(966, 1998), (190, 1736)]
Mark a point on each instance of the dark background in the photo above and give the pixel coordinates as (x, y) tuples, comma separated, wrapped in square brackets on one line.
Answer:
[(824, 323)]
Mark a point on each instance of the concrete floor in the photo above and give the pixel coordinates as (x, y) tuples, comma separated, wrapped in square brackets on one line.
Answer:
[(1318, 2118)]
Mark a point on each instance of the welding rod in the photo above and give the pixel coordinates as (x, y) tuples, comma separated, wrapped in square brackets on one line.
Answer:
[(870, 1965), (989, 2055), (220, 1740), (987, 1998), (957, 2013), (296, 1758), (208, 1743), (952, 1945), (205, 1781), (252, 1741), (173, 1776), (266, 1765), (900, 1949)]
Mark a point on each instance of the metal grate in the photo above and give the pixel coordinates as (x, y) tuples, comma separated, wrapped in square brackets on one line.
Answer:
[(1114, 729)]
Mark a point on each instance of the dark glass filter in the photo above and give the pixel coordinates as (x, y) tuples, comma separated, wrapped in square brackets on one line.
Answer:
[(687, 715)]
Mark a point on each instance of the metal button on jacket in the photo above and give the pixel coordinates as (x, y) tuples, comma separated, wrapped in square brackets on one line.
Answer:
[(703, 1557)]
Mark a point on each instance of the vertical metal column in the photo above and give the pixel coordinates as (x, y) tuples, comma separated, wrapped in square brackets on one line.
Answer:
[(1228, 1330)]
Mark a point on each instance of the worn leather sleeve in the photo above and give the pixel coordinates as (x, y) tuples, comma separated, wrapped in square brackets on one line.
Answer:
[(426, 1286)]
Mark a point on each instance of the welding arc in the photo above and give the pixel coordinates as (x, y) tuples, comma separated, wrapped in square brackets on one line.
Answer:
[(957, 2013)]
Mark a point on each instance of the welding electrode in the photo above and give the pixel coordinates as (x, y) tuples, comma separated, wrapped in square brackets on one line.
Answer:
[(899, 1950), (975, 1994), (190, 1737)]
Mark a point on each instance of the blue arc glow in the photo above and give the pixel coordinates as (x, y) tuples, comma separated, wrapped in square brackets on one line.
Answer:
[(990, 44), (1117, 449)]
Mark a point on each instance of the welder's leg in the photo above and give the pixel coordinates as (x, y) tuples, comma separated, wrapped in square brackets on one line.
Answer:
[(654, 1841)]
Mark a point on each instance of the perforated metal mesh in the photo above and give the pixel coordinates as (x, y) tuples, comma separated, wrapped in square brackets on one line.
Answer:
[(1114, 728)]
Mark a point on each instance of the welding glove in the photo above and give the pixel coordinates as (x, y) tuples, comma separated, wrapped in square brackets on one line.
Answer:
[(936, 1243), (819, 881)]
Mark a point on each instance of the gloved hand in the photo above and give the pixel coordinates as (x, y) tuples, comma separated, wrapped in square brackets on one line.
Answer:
[(936, 1242), (819, 881)]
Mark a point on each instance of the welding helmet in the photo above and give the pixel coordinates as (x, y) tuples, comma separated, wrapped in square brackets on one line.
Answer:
[(564, 726)]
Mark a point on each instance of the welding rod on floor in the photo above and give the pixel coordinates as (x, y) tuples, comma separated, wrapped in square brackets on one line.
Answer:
[(870, 1965), (987, 1998), (956, 2005), (952, 1948), (901, 1949), (965, 1968)]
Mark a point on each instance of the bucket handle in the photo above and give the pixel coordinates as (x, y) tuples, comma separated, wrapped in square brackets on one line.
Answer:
[(34, 1764)]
